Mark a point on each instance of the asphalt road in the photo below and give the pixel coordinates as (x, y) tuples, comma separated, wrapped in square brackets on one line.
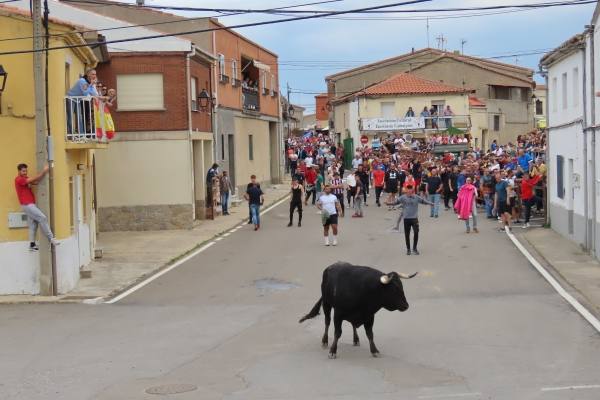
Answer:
[(482, 324)]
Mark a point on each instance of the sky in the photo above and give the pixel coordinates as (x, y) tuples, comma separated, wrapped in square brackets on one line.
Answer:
[(312, 49)]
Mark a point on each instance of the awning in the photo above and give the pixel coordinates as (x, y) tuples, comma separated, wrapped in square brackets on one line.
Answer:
[(261, 66)]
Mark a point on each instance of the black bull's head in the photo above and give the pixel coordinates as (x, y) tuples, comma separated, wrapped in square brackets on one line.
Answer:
[(393, 296)]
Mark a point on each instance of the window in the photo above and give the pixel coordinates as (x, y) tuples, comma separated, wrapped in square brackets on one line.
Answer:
[(500, 92), (496, 123), (554, 94), (193, 89), (264, 82), (234, 70), (575, 87), (140, 92), (388, 109), (67, 77), (560, 188), (564, 90), (539, 107), (221, 58), (272, 85), (250, 147), (222, 147)]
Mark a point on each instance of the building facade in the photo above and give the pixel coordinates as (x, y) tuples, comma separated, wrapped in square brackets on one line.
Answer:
[(72, 211), (505, 89), (248, 134), (572, 153)]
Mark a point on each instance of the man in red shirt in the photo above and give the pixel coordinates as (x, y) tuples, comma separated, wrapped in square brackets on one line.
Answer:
[(310, 177), (378, 182), (528, 196), (26, 198)]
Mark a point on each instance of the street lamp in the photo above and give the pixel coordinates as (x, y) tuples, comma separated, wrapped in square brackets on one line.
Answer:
[(3, 76), (204, 100)]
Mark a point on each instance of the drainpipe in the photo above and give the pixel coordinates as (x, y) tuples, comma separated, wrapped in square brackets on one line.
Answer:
[(585, 152), (214, 83), (191, 142), (593, 122), (548, 160)]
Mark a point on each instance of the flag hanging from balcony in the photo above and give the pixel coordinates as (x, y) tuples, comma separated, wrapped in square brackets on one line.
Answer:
[(103, 120)]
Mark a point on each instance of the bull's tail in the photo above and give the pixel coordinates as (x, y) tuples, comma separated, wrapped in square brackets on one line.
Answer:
[(313, 312)]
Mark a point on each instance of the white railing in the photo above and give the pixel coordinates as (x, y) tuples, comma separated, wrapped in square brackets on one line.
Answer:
[(81, 119), (443, 122)]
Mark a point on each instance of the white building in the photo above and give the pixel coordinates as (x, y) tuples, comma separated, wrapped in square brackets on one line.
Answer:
[(572, 115)]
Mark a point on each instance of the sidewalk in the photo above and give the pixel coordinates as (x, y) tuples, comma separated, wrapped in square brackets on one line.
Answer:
[(130, 257), (568, 260)]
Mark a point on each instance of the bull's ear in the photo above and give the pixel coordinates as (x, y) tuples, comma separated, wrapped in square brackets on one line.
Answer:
[(385, 279)]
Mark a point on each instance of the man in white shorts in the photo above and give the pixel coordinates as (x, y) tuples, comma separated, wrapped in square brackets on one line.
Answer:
[(330, 207)]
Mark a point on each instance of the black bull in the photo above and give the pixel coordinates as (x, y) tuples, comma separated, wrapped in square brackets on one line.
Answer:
[(356, 293)]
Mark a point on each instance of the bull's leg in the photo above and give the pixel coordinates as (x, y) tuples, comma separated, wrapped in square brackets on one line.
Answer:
[(327, 312), (337, 324), (369, 332), (356, 339)]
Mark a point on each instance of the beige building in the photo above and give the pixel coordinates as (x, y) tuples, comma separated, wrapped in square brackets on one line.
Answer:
[(506, 90), (539, 99), (384, 108)]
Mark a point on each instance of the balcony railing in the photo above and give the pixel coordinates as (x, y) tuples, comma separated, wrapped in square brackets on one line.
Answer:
[(442, 123), (85, 119), (427, 124), (250, 99)]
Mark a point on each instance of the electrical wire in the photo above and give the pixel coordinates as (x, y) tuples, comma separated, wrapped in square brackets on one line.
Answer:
[(270, 22)]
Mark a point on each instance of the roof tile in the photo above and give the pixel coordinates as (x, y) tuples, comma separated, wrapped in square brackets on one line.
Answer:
[(406, 83)]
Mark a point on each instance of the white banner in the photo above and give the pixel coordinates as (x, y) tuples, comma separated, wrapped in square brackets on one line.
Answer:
[(392, 124)]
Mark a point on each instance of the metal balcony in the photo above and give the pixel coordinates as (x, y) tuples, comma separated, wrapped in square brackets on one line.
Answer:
[(81, 128), (250, 100)]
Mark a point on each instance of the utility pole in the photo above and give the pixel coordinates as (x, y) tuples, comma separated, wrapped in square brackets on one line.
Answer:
[(462, 46), (287, 110), (41, 156), (428, 33), (441, 40)]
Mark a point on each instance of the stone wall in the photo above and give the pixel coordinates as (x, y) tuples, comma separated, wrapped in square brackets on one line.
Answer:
[(145, 218)]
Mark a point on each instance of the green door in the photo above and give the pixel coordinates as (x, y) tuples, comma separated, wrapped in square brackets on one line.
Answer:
[(348, 152)]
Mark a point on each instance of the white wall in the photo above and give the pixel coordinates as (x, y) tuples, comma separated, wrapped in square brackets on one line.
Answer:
[(574, 105)]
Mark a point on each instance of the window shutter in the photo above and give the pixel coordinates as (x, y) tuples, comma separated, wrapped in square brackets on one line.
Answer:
[(140, 92), (560, 177)]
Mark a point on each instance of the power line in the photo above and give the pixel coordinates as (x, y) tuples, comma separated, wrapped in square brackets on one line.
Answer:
[(277, 21), (365, 11), (184, 20)]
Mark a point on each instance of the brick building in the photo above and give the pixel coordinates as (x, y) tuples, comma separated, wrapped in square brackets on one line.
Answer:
[(248, 136), (153, 175)]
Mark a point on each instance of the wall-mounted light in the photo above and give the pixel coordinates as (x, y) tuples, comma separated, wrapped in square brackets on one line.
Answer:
[(205, 100)]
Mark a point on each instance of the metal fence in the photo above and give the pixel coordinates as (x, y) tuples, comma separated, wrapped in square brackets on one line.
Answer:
[(81, 119), (444, 122)]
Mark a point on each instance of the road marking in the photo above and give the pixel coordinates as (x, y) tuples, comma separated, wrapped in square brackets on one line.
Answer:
[(159, 274), (226, 234), (554, 283), (183, 260), (450, 396), (556, 389)]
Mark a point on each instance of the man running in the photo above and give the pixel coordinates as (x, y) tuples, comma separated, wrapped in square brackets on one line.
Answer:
[(296, 202), (433, 187), (378, 181), (391, 184), (410, 204), (330, 207), (255, 197)]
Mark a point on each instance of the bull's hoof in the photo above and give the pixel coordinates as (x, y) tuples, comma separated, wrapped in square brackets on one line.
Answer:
[(376, 354), (332, 356), (356, 343)]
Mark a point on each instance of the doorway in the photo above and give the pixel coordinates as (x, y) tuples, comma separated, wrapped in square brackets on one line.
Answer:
[(570, 196)]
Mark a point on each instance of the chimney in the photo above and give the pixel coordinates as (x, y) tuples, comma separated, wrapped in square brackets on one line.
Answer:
[(140, 3)]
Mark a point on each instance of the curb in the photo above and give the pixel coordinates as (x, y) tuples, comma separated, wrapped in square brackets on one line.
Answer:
[(118, 291)]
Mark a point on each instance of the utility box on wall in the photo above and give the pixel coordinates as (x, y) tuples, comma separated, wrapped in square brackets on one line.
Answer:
[(17, 220)]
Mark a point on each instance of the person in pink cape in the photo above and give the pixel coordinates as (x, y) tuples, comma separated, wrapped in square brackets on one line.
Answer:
[(465, 205)]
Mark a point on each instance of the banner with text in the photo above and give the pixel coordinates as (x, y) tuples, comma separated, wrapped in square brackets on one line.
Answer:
[(392, 124)]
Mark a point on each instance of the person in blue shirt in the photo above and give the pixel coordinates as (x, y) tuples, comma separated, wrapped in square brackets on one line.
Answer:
[(494, 145), (84, 87), (461, 179), (524, 160)]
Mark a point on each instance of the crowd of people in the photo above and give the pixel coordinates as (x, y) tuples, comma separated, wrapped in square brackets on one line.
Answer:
[(506, 181)]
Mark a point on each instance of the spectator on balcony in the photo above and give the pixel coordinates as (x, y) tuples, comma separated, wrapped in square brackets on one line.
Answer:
[(434, 114), (410, 113), (86, 85), (104, 121), (425, 114), (448, 113)]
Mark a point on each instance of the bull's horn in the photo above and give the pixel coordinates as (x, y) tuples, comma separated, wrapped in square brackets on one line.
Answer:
[(385, 279), (405, 276)]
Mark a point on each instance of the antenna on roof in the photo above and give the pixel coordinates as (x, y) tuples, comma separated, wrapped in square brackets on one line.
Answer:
[(441, 41), (428, 46), (462, 46)]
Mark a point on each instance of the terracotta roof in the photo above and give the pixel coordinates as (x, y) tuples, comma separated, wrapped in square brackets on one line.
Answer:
[(475, 102), (565, 49), (9, 10), (406, 83)]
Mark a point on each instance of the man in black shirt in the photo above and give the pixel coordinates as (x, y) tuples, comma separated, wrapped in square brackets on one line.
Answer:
[(392, 178), (255, 197), (433, 187), (363, 176)]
